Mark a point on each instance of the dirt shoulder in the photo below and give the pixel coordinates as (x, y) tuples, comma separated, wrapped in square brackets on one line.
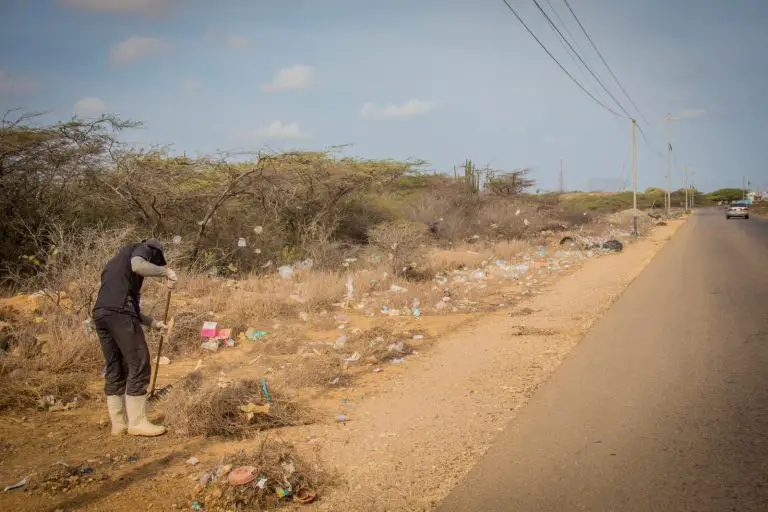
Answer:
[(405, 448), (413, 428)]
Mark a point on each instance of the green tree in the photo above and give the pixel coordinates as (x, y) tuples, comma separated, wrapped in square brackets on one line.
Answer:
[(726, 194)]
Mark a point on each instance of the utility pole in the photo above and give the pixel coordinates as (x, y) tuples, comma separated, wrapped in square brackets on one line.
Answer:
[(561, 176), (669, 119), (686, 189), (743, 187), (634, 177)]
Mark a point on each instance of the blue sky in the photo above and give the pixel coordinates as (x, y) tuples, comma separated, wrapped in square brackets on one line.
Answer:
[(441, 80)]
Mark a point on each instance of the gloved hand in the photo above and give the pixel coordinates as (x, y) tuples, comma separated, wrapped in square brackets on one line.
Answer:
[(170, 278), (159, 325)]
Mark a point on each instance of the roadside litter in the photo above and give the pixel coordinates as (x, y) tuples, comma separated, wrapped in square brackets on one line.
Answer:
[(266, 478), (18, 485)]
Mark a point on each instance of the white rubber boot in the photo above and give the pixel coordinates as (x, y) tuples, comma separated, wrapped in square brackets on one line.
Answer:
[(138, 424), (116, 408)]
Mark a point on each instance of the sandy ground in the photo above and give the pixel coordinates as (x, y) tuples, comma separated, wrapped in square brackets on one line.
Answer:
[(414, 429)]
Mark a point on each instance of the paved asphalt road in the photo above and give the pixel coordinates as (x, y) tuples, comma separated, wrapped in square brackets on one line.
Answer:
[(664, 404)]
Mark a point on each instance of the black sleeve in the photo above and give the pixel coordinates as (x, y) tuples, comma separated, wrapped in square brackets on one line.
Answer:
[(142, 251)]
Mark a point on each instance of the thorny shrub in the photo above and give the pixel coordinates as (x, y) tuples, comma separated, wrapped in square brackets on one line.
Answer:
[(401, 242)]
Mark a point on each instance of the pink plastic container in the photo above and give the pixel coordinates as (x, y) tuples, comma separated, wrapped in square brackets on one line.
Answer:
[(208, 330)]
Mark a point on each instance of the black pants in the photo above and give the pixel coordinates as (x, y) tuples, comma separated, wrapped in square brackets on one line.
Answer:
[(125, 353)]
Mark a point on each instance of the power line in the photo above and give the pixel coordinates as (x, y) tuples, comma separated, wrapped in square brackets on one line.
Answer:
[(558, 62), (648, 143), (594, 75), (591, 42), (563, 45), (565, 25), (562, 68)]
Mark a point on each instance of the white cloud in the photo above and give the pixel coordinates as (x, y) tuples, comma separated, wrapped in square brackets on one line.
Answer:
[(90, 107), (295, 77), (122, 6), (411, 108), (278, 130), (134, 48), (191, 84), (691, 113), (11, 85), (231, 41)]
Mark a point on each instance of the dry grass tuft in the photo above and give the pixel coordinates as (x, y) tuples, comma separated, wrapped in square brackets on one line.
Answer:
[(473, 256), (20, 389), (284, 341), (281, 477), (211, 408), (321, 371)]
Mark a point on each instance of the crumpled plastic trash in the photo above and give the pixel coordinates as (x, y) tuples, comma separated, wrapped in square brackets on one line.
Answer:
[(306, 264), (286, 271), (21, 483), (478, 275), (61, 406), (289, 467), (212, 345), (250, 409), (613, 245), (340, 342), (397, 347), (241, 242), (354, 357)]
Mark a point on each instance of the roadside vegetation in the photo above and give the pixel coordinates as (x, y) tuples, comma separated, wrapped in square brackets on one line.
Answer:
[(291, 246)]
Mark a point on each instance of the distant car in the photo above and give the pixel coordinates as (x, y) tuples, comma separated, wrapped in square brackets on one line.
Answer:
[(737, 210)]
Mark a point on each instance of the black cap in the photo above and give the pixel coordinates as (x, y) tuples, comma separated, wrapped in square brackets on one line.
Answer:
[(158, 257)]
